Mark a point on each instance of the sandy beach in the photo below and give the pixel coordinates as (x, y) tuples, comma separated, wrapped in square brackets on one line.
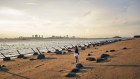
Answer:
[(122, 64)]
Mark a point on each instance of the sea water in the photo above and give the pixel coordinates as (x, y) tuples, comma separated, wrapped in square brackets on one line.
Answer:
[(9, 48)]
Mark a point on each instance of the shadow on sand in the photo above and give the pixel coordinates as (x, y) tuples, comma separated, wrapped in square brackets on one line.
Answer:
[(3, 69), (50, 58), (122, 65), (17, 75)]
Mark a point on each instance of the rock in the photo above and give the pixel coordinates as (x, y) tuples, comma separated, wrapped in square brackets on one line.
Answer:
[(112, 50), (71, 74), (90, 59), (125, 48), (82, 48), (88, 46), (107, 51), (79, 66), (48, 51), (20, 56), (3, 66), (6, 59), (63, 48), (58, 52), (100, 60), (3, 69), (93, 45), (35, 53), (105, 56), (75, 70), (89, 54), (41, 56), (64, 53), (69, 50)]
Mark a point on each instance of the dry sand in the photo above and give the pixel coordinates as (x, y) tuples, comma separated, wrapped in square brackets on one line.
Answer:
[(123, 64)]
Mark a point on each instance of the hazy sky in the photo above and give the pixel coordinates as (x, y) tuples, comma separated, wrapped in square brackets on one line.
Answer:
[(82, 18)]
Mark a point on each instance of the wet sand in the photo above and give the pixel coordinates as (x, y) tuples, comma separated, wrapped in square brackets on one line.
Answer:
[(123, 64)]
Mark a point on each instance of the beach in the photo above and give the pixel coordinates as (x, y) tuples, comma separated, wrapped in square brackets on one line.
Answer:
[(123, 63)]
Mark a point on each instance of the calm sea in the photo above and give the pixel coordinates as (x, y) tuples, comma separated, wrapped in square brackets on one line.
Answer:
[(9, 48)]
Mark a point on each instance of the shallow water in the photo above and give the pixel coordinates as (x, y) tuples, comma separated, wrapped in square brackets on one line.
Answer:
[(9, 48)]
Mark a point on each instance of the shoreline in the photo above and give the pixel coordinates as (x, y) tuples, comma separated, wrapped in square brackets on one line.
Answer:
[(123, 64), (32, 39), (27, 45)]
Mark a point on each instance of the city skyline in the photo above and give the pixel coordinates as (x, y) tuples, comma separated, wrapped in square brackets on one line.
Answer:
[(80, 18)]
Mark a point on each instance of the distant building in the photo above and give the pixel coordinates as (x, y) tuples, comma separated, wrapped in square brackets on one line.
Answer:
[(67, 36), (32, 36), (73, 36), (36, 36)]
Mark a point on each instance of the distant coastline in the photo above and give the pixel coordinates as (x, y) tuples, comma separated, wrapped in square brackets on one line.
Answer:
[(52, 37), (39, 39)]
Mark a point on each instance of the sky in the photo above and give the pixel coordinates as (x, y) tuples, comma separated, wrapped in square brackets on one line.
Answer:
[(80, 18)]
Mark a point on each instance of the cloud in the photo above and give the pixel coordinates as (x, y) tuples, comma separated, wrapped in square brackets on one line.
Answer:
[(92, 17), (31, 3), (87, 13), (9, 11)]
